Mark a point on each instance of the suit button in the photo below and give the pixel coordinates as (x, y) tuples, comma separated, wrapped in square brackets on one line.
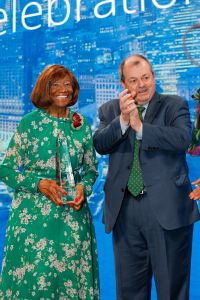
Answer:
[(123, 190), (129, 167)]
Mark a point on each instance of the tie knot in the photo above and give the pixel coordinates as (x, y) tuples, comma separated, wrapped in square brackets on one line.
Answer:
[(140, 111)]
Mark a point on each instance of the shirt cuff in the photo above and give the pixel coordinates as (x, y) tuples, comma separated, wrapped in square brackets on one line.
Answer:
[(139, 133), (124, 127)]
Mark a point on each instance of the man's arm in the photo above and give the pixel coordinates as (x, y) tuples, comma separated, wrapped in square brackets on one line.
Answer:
[(114, 127), (109, 134)]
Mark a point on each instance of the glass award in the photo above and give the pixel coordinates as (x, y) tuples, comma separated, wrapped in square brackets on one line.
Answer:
[(64, 172)]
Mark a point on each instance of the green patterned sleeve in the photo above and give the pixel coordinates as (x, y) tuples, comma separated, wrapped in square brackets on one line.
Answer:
[(11, 170), (89, 168)]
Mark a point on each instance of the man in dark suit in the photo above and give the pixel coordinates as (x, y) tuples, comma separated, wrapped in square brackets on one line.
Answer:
[(152, 228)]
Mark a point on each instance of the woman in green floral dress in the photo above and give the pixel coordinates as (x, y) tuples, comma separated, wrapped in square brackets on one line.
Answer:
[(50, 250)]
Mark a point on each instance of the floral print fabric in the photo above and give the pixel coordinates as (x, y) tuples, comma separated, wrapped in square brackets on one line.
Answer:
[(50, 251)]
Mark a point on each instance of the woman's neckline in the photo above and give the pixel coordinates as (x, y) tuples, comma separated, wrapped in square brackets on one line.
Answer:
[(66, 119)]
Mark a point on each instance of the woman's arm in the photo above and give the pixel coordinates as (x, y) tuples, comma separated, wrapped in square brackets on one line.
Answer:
[(11, 169)]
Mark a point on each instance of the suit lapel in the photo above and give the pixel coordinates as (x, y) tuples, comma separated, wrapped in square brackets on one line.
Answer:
[(153, 108)]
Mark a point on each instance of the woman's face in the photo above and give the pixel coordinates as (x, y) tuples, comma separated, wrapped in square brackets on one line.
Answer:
[(61, 92)]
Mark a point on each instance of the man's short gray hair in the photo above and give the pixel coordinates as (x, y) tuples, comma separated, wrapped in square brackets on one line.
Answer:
[(135, 63)]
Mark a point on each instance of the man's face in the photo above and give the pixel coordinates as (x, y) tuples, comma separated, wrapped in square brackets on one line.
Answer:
[(139, 79)]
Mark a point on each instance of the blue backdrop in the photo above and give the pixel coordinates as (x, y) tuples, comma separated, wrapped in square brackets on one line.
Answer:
[(92, 38)]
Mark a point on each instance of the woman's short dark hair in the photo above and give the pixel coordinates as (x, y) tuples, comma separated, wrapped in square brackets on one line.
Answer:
[(40, 96)]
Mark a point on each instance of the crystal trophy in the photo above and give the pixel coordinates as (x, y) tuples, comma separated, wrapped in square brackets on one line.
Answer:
[(64, 172)]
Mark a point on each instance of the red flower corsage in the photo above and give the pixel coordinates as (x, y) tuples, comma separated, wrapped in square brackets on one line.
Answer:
[(195, 151), (77, 121)]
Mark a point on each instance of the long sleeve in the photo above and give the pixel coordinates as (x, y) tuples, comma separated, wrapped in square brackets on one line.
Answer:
[(109, 135), (12, 169)]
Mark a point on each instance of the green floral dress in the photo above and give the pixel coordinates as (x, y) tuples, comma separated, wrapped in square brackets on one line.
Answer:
[(50, 251)]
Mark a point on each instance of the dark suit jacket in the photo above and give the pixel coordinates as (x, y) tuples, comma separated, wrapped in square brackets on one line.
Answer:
[(166, 136)]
